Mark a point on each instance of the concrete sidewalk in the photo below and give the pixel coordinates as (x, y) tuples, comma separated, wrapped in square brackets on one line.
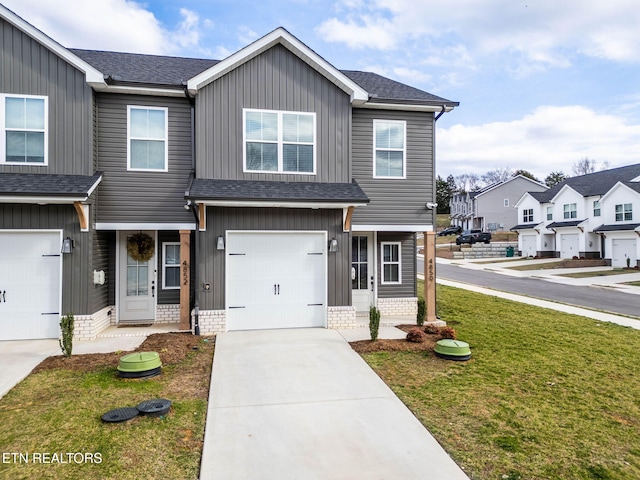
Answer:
[(293, 404)]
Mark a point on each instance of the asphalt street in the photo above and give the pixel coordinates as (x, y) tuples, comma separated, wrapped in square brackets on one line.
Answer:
[(598, 298)]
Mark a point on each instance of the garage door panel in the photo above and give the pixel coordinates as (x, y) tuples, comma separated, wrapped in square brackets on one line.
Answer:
[(621, 250), (276, 280)]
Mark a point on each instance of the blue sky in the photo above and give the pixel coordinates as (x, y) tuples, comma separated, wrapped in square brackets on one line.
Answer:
[(541, 83)]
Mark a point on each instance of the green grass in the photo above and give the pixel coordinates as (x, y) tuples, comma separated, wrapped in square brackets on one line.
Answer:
[(601, 273), (546, 395), (58, 412), (633, 284)]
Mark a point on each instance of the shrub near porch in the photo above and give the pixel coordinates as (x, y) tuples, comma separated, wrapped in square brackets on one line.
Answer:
[(545, 395)]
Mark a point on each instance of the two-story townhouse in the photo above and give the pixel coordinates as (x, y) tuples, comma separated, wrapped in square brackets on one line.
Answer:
[(491, 208), (567, 221), (266, 190)]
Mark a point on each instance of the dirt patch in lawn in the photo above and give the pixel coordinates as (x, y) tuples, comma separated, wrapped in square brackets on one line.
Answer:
[(172, 348), (397, 345)]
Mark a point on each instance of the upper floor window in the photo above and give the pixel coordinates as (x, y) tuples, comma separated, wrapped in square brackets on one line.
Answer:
[(624, 212), (391, 268), (527, 216), (171, 265), (279, 142), (570, 210), (596, 208), (389, 158), (23, 125), (147, 138), (549, 213), (506, 202)]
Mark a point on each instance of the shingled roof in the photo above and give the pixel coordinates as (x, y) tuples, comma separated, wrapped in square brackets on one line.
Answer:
[(173, 72), (48, 185)]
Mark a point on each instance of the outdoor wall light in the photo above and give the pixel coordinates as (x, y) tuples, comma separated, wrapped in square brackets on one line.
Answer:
[(220, 243), (590, 243), (67, 245), (333, 245)]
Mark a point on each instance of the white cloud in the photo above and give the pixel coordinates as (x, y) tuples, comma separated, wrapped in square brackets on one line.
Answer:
[(549, 139), (366, 32)]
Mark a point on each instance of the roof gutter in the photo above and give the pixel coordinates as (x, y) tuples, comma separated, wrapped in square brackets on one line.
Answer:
[(444, 109)]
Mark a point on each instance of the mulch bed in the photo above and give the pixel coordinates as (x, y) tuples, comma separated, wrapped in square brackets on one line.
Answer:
[(399, 345)]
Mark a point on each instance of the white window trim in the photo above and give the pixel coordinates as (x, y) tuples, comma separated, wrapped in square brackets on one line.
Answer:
[(549, 213), (597, 207), (506, 202), (280, 142), (165, 265), (527, 215), (3, 139), (571, 210), (403, 150), (165, 139), (383, 263), (623, 212)]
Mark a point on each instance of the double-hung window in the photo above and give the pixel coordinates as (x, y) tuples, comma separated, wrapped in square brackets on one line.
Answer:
[(527, 215), (147, 138), (279, 142), (549, 213), (570, 210), (624, 212), (391, 265), (389, 149), (171, 265), (23, 125), (596, 208)]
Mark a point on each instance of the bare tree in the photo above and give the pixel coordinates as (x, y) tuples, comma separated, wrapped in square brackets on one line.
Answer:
[(584, 166), (497, 175), (468, 182)]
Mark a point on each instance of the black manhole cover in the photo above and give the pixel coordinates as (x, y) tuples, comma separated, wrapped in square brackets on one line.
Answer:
[(120, 414), (155, 407)]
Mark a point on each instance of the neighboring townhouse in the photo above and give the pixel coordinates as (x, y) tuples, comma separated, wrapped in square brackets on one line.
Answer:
[(590, 216), (266, 190), (491, 207)]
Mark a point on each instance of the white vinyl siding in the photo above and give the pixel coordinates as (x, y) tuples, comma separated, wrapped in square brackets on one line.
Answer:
[(389, 149), (23, 126), (171, 265), (391, 263), (279, 142), (147, 138)]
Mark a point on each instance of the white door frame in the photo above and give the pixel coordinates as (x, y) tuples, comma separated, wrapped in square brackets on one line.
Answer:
[(372, 260), (153, 264)]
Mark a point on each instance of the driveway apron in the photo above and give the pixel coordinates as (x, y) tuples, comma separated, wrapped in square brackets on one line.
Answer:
[(292, 404)]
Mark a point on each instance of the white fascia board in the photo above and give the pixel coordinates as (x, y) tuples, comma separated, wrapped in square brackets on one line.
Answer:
[(276, 204), (94, 186), (392, 228), (616, 187), (144, 226), (406, 107), (279, 36), (92, 76), (42, 200), (158, 92), (561, 191)]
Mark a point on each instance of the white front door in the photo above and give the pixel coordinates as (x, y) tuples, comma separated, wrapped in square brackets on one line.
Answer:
[(621, 250), (30, 286), (362, 271), (137, 290), (569, 245), (276, 280)]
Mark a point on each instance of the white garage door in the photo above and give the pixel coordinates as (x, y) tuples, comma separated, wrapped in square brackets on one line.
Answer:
[(621, 250), (529, 245), (569, 245), (30, 295), (276, 280)]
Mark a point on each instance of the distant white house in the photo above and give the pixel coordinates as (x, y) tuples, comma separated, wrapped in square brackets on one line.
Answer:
[(590, 216), (492, 207)]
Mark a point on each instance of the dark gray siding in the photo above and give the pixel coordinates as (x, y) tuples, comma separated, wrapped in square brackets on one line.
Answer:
[(171, 297), (103, 242), (274, 80), (408, 249), (150, 197), (402, 201), (27, 67), (219, 220), (76, 267)]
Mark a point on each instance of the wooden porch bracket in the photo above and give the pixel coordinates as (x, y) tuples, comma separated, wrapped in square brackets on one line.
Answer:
[(202, 214), (83, 215), (347, 213)]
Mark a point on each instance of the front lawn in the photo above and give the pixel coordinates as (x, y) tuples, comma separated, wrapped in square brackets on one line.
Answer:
[(546, 395), (51, 427)]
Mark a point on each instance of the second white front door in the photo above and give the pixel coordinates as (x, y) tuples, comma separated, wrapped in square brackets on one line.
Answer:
[(362, 271), (137, 292)]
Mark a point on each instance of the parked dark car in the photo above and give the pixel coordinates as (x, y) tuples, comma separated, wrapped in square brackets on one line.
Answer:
[(450, 231), (473, 236)]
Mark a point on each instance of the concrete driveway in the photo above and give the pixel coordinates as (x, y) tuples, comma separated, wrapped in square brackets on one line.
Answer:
[(292, 404), (19, 357)]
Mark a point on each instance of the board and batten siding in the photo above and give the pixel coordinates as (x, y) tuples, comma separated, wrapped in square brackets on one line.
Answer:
[(408, 287), (395, 201), (76, 266), (135, 196), (29, 68), (274, 80), (219, 220)]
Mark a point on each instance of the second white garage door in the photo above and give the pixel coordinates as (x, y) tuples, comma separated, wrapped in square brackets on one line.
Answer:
[(276, 280)]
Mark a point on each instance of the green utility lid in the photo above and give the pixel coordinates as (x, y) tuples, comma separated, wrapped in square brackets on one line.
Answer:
[(139, 362), (452, 349)]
